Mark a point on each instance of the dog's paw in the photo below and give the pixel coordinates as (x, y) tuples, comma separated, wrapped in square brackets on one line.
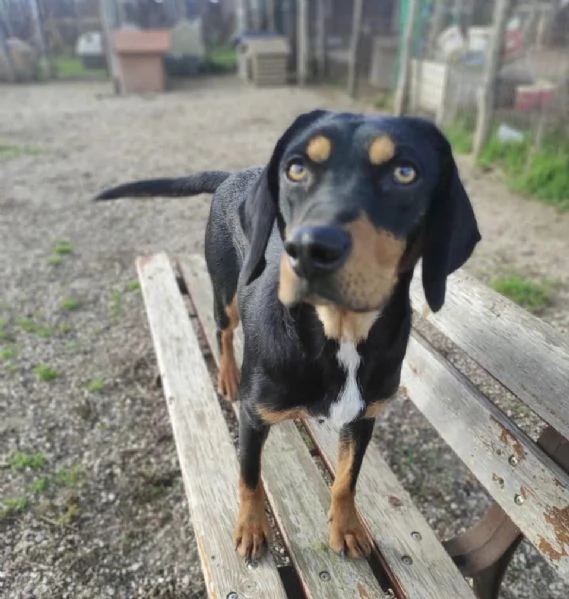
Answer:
[(348, 537), (228, 379), (252, 534)]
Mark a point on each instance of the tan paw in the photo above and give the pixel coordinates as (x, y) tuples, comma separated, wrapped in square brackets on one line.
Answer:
[(348, 537), (252, 535)]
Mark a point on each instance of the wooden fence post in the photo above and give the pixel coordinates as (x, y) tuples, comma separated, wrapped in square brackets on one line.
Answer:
[(357, 15), (40, 35), (107, 26), (241, 17), (436, 26), (487, 94), (321, 38), (302, 42), (402, 92)]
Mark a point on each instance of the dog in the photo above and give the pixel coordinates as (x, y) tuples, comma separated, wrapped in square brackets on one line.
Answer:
[(313, 253)]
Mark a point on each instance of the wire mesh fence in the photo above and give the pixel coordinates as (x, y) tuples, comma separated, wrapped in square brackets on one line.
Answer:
[(493, 75)]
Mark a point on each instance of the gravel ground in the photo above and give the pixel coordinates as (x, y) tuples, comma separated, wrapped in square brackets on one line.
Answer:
[(98, 510)]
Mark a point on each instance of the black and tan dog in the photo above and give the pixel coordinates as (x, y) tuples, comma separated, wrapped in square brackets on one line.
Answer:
[(314, 254)]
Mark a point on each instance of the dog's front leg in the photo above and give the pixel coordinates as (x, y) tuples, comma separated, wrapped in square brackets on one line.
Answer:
[(252, 531), (347, 534)]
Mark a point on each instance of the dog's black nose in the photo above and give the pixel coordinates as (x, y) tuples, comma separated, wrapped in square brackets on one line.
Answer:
[(316, 251)]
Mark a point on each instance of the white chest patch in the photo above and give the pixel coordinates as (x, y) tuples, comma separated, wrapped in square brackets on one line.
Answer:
[(349, 403)]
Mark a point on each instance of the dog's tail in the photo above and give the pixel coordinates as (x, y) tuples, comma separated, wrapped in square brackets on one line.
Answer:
[(204, 182)]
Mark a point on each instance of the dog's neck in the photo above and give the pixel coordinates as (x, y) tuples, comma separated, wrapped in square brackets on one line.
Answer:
[(342, 325)]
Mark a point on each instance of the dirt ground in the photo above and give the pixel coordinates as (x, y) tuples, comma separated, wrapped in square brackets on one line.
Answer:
[(99, 510)]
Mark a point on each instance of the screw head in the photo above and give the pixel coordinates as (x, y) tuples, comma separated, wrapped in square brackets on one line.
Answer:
[(325, 576), (416, 535), (407, 560), (519, 499), (513, 460)]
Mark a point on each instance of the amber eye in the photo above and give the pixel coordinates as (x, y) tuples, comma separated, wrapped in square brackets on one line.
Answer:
[(296, 171), (404, 174)]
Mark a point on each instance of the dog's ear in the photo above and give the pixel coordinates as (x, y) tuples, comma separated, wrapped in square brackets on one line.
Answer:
[(451, 231), (262, 207)]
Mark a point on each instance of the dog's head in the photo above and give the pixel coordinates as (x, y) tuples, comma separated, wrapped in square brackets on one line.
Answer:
[(358, 199)]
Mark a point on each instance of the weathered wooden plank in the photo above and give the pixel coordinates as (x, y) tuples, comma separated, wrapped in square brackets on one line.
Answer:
[(385, 504), (524, 353), (524, 481), (201, 437), (399, 529), (428, 85), (296, 491)]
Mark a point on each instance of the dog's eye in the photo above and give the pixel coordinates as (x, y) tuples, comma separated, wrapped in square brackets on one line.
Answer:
[(404, 174), (296, 171)]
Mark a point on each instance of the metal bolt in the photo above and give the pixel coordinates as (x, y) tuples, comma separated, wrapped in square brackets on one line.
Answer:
[(519, 499), (407, 560), (325, 576), (513, 460), (416, 535), (232, 595)]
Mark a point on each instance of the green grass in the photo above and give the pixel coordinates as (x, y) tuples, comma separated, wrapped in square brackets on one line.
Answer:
[(133, 285), (547, 178), (460, 135), (222, 58), (31, 326), (384, 102), (62, 247), (55, 260), (531, 295), (544, 176), (4, 335), (117, 303), (8, 353), (70, 304), (72, 512), (8, 151), (70, 477), (70, 67), (46, 373), (20, 460), (64, 328), (13, 505), (95, 385), (39, 485)]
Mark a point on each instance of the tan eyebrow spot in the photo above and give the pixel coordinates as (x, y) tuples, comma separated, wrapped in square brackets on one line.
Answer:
[(319, 148), (381, 150)]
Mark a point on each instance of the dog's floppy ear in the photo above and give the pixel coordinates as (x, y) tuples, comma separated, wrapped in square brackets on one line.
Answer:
[(451, 231), (262, 207)]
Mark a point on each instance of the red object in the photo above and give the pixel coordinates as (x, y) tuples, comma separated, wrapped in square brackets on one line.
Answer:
[(533, 97)]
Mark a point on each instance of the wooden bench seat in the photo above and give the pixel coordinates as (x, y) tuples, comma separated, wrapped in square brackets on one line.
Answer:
[(409, 561)]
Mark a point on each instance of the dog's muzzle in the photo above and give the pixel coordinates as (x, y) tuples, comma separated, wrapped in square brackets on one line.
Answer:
[(316, 251)]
